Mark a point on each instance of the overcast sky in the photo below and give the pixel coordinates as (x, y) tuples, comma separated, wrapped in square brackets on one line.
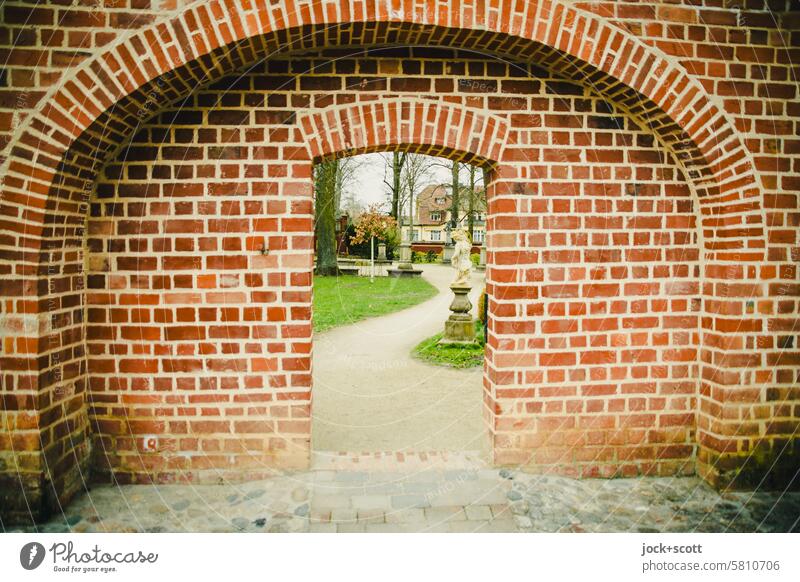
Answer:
[(368, 188)]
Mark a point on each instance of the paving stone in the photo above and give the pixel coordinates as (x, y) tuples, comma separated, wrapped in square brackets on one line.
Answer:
[(468, 526), (523, 521), (420, 487), (322, 528), (343, 515), (404, 501), (338, 489), (351, 527), (428, 527), (331, 501), (381, 502), (371, 516), (351, 477), (386, 528), (478, 512), (464, 475), (320, 516), (300, 494), (447, 513), (425, 476), (383, 488), (405, 515), (387, 477), (499, 526), (323, 476), (500, 510)]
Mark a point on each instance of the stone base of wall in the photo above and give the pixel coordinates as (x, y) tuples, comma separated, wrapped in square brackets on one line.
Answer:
[(209, 469), (21, 499), (770, 468), (31, 498)]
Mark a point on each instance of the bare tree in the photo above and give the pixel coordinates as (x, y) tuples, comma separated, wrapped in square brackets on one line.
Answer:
[(346, 174), (325, 216), (476, 197), (466, 185), (392, 177), (416, 174), (455, 169), (331, 179)]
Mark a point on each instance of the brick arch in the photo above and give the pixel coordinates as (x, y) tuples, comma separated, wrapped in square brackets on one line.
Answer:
[(432, 127), (107, 95), (53, 162)]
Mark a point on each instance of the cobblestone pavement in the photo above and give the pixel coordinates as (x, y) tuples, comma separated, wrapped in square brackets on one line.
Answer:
[(428, 493)]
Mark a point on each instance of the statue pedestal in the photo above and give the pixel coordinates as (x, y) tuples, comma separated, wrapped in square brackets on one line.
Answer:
[(447, 253), (404, 266), (404, 271), (460, 326)]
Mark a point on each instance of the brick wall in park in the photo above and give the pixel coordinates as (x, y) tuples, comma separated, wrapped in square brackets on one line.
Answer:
[(642, 228)]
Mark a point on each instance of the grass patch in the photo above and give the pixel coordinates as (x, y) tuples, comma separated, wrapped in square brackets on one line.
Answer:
[(454, 355), (348, 298)]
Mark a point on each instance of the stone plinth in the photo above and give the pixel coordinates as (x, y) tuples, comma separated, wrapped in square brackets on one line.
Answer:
[(403, 271), (460, 326), (447, 253)]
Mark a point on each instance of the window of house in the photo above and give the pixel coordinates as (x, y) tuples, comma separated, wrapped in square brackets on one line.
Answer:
[(439, 201), (478, 236), (436, 235), (436, 215)]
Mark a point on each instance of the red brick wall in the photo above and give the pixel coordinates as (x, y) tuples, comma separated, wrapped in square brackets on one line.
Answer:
[(196, 336), (580, 208)]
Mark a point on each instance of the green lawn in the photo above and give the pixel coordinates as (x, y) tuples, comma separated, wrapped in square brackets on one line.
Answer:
[(346, 299), (453, 355)]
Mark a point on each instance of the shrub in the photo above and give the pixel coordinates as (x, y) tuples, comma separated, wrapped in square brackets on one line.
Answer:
[(475, 258), (372, 224), (482, 307)]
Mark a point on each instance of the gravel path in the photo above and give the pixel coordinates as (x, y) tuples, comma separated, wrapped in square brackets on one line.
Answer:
[(371, 395)]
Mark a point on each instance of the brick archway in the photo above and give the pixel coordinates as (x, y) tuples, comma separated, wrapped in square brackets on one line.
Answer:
[(53, 162), (107, 96), (432, 127), (422, 126)]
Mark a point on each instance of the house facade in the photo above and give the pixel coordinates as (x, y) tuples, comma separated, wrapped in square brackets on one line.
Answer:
[(433, 212)]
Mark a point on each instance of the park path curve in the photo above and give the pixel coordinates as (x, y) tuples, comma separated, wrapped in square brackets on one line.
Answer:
[(371, 395)]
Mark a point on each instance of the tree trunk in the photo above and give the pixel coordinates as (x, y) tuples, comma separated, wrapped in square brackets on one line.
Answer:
[(398, 159), (454, 210), (471, 217), (325, 217)]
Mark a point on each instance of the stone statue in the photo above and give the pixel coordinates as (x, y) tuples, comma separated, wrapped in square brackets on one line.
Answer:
[(460, 326), (461, 261)]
